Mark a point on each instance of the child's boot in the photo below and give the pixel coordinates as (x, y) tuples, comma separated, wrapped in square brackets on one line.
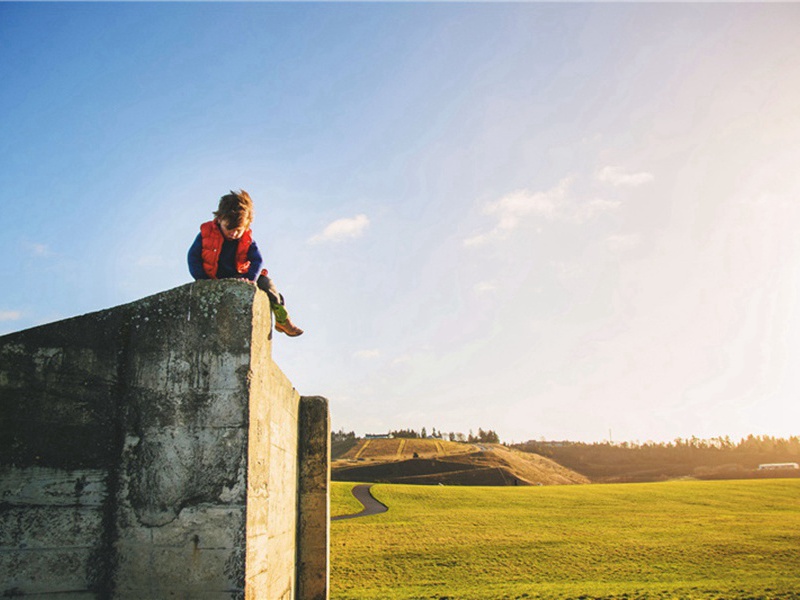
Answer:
[(288, 328)]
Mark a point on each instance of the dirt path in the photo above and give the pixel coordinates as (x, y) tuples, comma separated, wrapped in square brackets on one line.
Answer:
[(371, 506)]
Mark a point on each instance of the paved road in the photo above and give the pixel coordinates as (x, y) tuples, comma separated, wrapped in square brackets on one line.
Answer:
[(371, 506)]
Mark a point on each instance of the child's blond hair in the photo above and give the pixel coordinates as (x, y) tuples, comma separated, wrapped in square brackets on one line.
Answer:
[(236, 209)]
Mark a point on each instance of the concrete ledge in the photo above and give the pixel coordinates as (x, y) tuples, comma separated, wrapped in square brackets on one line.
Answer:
[(154, 450)]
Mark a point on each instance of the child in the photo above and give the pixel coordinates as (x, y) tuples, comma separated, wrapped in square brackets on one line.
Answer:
[(225, 248)]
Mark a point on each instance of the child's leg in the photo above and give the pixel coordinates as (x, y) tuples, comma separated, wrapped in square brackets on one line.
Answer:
[(275, 297), (282, 321)]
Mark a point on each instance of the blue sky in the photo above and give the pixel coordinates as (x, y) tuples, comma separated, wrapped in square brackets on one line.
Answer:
[(550, 220)]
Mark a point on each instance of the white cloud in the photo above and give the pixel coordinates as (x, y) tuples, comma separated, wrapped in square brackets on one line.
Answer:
[(569, 271), (36, 249), (342, 229), (367, 354), (523, 202), (509, 209), (480, 239), (623, 242), (484, 287), (10, 315), (617, 177), (592, 208), (554, 204)]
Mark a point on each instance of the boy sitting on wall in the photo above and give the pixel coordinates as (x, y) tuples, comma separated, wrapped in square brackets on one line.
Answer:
[(225, 249)]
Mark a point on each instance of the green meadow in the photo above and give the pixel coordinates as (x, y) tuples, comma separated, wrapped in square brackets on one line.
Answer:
[(677, 540)]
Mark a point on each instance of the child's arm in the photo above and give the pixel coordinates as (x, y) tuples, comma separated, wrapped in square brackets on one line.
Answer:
[(256, 261), (195, 259)]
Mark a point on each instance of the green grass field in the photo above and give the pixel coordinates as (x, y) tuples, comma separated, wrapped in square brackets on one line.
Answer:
[(342, 500), (678, 540)]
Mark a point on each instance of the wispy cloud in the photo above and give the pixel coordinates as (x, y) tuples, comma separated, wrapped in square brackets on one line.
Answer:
[(485, 287), (342, 229), (569, 271), (510, 209), (616, 176), (623, 242), (592, 208), (10, 315), (554, 204), (367, 354), (36, 249)]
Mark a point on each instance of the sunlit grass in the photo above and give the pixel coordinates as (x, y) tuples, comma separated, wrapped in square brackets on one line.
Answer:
[(720, 539), (342, 500)]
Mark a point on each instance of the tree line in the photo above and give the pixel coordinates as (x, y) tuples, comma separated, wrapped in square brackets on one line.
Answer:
[(483, 436), (718, 457)]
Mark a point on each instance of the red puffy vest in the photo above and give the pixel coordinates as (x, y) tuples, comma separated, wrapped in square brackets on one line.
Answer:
[(212, 239)]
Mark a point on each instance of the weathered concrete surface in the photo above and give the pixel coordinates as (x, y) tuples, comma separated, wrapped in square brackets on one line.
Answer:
[(273, 475), (313, 528), (151, 451)]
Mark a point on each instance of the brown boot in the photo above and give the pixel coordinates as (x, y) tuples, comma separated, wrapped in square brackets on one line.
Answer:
[(288, 328)]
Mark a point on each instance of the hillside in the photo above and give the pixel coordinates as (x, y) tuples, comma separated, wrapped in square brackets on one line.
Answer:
[(432, 461)]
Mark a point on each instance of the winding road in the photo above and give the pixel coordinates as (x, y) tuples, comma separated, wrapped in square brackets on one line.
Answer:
[(371, 506)]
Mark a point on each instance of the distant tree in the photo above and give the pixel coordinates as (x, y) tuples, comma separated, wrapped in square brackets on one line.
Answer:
[(491, 437), (404, 433), (423, 434), (341, 436), (484, 437)]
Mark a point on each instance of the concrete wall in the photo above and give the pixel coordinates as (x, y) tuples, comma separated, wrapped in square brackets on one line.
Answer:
[(313, 531), (152, 450)]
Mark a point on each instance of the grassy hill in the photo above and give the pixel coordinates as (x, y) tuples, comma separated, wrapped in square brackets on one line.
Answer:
[(688, 540), (432, 461)]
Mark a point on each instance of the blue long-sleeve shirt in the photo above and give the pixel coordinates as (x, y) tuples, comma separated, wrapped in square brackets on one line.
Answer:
[(226, 268)]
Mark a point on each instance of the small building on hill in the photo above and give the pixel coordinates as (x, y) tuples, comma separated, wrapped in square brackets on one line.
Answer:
[(377, 436), (779, 466)]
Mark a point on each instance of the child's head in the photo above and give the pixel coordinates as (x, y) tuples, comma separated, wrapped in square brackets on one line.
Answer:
[(235, 213)]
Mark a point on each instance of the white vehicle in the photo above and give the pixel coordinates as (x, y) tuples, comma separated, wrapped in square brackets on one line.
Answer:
[(778, 466)]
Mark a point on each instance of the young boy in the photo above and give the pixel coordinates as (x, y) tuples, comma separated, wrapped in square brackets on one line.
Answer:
[(225, 248)]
